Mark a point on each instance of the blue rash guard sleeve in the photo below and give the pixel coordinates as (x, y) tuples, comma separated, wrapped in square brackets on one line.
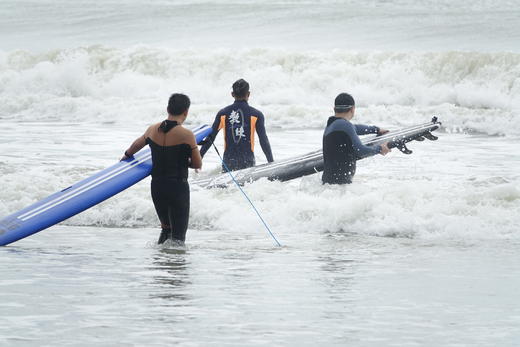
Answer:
[(362, 129), (360, 149), (264, 141), (211, 137)]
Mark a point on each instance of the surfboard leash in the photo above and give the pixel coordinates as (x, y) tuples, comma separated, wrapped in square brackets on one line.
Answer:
[(245, 195)]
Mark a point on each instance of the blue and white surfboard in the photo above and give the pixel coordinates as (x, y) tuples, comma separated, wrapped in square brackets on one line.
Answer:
[(81, 196)]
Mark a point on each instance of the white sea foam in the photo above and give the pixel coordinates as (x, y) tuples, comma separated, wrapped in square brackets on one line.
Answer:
[(452, 194), (421, 208), (470, 91)]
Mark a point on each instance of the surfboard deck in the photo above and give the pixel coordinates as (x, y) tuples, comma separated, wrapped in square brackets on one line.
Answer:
[(312, 162), (82, 195)]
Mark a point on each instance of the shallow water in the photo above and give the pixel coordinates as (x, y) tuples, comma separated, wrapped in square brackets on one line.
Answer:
[(112, 286)]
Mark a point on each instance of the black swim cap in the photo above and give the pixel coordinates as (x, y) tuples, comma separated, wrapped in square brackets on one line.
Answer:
[(240, 88), (343, 102)]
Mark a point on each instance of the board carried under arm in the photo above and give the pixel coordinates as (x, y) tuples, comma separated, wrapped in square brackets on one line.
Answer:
[(312, 162), (81, 195)]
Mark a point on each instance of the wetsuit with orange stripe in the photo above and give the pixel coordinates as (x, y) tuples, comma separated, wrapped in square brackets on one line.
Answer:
[(239, 122)]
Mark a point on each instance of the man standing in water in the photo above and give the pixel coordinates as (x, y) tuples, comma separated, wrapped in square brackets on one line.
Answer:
[(174, 149), (239, 121), (341, 143)]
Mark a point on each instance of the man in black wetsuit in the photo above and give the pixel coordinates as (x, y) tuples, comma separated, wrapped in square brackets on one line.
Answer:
[(174, 149), (239, 121), (341, 143)]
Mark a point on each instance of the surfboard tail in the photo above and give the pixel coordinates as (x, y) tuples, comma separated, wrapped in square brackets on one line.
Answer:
[(421, 133)]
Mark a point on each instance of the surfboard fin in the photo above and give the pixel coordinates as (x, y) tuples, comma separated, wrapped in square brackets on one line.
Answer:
[(402, 147), (430, 136)]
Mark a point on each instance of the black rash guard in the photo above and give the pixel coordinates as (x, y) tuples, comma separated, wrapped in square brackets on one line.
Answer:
[(239, 121), (342, 147)]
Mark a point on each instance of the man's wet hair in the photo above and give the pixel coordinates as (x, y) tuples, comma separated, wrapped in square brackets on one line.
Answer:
[(178, 103), (240, 88)]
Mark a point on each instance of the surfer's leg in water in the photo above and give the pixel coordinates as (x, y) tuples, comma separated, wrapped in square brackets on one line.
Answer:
[(179, 212), (160, 203), (172, 204), (165, 234)]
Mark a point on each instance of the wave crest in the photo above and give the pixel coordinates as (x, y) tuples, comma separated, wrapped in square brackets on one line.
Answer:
[(292, 86)]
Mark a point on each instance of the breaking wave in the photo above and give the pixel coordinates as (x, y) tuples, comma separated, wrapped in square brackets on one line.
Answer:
[(469, 91)]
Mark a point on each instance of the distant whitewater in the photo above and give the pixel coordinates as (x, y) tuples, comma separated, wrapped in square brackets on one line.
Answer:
[(474, 92)]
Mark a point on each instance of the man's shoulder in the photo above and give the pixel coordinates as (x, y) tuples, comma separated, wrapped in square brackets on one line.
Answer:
[(228, 109), (255, 112), (247, 109), (185, 129), (151, 129), (184, 132), (225, 110), (333, 120), (339, 123)]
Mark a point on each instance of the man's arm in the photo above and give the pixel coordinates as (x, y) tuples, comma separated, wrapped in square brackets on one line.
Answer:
[(211, 137), (136, 146), (360, 149), (362, 129), (264, 141), (196, 158)]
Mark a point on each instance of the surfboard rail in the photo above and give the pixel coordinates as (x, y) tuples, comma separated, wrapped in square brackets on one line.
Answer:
[(312, 162), (82, 195)]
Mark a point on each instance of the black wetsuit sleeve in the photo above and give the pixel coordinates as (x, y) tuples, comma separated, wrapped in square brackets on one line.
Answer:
[(211, 137), (362, 129), (262, 136), (360, 149)]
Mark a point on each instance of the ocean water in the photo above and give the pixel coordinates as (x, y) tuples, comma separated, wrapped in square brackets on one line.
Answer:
[(421, 250)]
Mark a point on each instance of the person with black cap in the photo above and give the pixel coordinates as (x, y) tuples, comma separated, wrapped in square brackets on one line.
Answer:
[(341, 143), (239, 122)]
